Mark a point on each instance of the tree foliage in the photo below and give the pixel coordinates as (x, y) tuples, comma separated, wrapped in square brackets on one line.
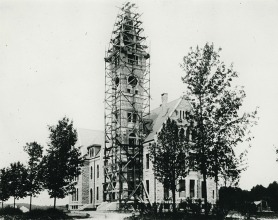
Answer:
[(34, 185), (17, 180), (216, 103), (63, 162), (4, 183), (169, 155)]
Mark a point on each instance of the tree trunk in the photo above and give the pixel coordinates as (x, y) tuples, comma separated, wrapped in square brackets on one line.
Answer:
[(30, 203), (2, 204), (205, 192), (54, 202), (216, 192), (14, 202), (174, 198)]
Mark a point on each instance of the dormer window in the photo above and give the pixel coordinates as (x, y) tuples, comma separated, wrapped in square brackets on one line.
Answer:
[(91, 152)]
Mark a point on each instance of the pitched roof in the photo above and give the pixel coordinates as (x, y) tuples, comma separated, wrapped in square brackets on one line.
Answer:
[(158, 117), (88, 137)]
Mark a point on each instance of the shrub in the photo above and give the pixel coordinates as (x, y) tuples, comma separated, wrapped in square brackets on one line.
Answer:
[(47, 214), (10, 211)]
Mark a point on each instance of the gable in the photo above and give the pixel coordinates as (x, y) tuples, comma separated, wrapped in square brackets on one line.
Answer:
[(172, 109)]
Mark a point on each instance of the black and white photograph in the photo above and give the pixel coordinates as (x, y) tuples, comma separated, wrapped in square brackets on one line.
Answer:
[(135, 110)]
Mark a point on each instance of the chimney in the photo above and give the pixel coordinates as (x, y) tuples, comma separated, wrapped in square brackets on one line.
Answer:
[(164, 99)]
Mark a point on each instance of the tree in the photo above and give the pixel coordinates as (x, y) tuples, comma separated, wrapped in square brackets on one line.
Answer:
[(34, 186), (272, 192), (17, 180), (4, 192), (216, 103), (63, 162), (169, 156)]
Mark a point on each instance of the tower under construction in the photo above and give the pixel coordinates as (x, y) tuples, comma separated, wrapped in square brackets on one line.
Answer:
[(127, 105)]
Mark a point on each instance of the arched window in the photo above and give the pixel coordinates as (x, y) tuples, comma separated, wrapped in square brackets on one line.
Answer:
[(132, 139)]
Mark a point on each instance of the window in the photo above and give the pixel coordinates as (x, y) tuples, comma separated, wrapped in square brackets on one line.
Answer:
[(129, 114), (181, 188), (97, 193), (91, 152), (132, 59), (187, 133), (203, 189), (166, 193), (128, 90), (148, 186), (97, 171), (132, 80), (192, 188), (74, 195), (132, 139), (117, 81), (147, 161), (180, 114), (183, 116), (131, 117), (91, 196), (91, 172), (134, 118), (193, 135), (186, 114)]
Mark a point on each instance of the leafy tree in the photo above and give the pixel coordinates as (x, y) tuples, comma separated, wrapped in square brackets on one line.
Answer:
[(272, 192), (17, 180), (258, 192), (4, 192), (169, 156), (216, 103), (63, 162), (34, 150)]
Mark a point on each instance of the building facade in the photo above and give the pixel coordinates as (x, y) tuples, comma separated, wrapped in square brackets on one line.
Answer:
[(192, 185), (89, 184), (118, 169), (89, 187)]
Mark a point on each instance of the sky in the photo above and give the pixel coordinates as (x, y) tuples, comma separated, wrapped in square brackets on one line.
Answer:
[(52, 65)]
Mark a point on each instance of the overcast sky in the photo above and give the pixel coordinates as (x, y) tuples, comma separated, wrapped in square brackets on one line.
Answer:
[(51, 65)]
